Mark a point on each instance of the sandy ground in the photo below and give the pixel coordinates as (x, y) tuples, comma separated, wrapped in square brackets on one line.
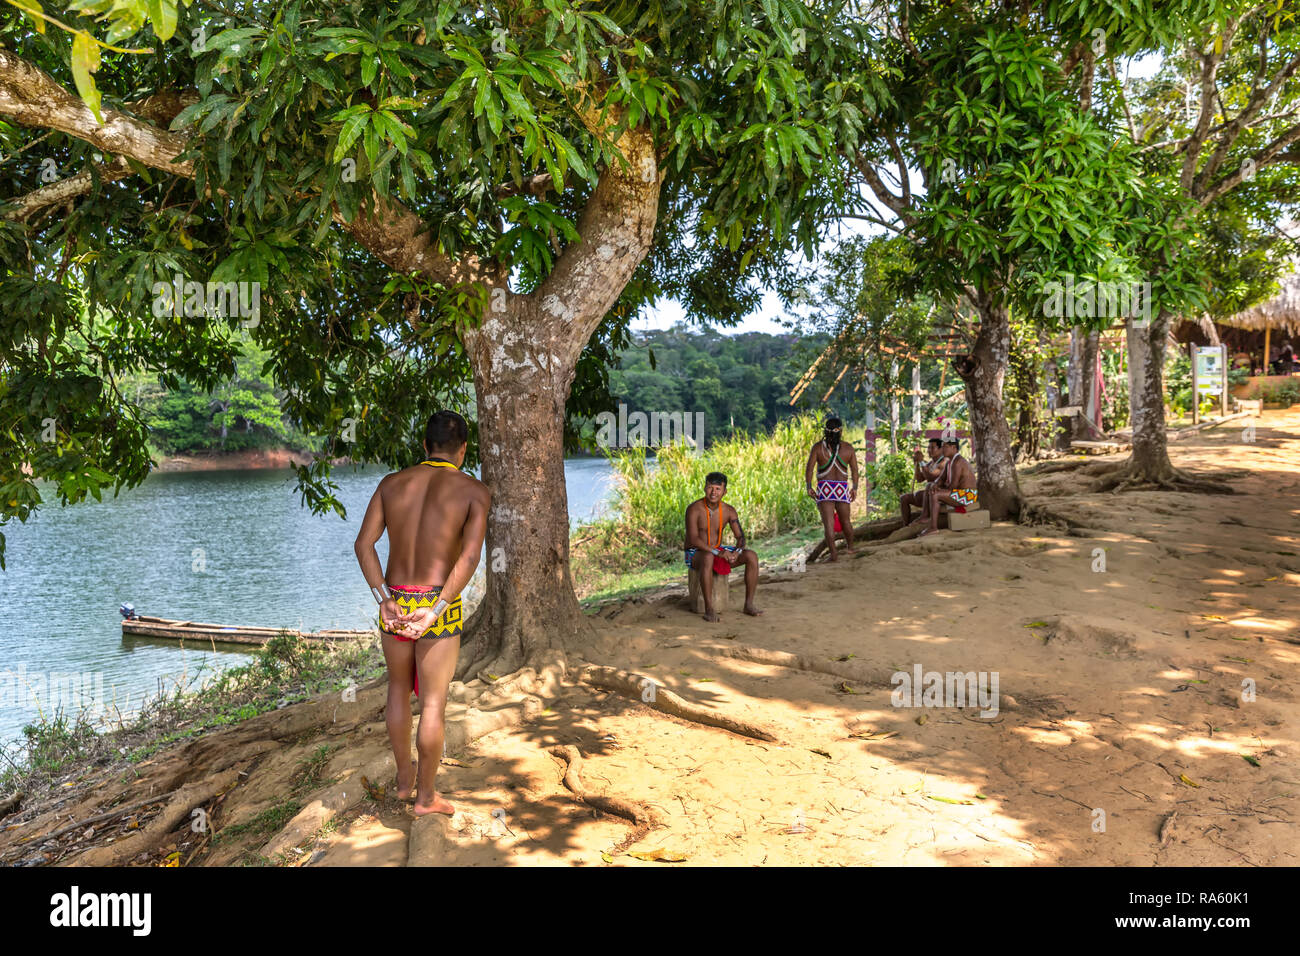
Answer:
[(1122, 736)]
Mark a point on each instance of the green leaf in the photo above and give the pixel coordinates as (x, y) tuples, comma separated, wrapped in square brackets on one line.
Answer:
[(163, 15), (85, 61), (32, 7)]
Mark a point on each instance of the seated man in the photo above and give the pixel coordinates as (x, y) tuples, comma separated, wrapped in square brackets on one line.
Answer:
[(927, 472), (955, 487), (702, 549)]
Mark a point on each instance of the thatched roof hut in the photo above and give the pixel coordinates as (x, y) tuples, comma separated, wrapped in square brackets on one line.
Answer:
[(1280, 313)]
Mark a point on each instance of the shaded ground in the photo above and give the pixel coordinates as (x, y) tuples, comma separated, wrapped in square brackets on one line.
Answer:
[(1124, 736)]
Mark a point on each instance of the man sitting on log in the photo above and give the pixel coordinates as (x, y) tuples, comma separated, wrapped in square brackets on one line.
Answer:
[(955, 487), (704, 554), (926, 471)]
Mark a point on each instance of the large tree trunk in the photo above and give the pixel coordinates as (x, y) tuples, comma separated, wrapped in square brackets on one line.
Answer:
[(1139, 350), (1149, 466), (524, 354), (1150, 458), (530, 603), (1084, 346), (983, 372)]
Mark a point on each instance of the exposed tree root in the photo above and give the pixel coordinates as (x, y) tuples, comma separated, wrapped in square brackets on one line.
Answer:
[(861, 674), (12, 803), (876, 677), (98, 818), (1035, 513), (178, 809), (864, 532), (1127, 478), (1087, 466), (642, 816), (662, 699)]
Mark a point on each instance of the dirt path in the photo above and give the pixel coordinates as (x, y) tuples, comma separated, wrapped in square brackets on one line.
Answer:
[(1122, 736)]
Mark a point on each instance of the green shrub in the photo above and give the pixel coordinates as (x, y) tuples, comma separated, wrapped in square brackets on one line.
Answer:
[(764, 482), (890, 476)]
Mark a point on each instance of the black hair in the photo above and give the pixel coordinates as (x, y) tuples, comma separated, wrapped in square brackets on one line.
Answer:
[(715, 478), (935, 441), (446, 431), (831, 435)]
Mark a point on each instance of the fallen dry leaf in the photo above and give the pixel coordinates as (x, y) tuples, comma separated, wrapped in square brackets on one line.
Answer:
[(659, 855)]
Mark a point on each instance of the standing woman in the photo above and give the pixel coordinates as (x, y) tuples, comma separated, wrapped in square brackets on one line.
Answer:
[(832, 461)]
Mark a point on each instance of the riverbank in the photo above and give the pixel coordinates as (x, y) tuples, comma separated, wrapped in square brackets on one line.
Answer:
[(248, 460), (1144, 715)]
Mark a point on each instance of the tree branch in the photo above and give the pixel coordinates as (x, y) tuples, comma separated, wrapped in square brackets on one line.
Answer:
[(1271, 154), (615, 232), (1254, 106), (392, 233)]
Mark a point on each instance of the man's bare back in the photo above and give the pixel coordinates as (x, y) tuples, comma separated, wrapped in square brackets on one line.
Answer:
[(426, 511)]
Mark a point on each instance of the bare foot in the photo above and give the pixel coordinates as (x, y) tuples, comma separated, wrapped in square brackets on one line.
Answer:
[(834, 556), (405, 791), (752, 611), (712, 617), (437, 805), (928, 531)]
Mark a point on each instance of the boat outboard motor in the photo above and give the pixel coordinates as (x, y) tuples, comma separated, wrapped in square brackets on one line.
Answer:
[(128, 612)]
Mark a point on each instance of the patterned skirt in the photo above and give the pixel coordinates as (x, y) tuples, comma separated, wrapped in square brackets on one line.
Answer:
[(829, 489)]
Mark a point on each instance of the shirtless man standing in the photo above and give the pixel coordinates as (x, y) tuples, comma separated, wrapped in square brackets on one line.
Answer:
[(955, 487), (701, 517), (436, 517), (833, 462)]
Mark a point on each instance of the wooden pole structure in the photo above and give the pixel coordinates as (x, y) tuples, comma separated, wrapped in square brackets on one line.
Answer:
[(893, 407), (1267, 331), (1196, 394), (916, 397), (1223, 395)]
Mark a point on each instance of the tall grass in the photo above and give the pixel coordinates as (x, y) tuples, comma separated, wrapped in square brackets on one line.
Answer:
[(764, 483)]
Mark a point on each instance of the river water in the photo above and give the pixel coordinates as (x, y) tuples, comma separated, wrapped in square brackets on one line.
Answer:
[(226, 547)]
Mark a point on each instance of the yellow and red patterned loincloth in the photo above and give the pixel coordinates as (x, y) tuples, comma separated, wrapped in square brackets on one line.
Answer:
[(450, 623), (409, 598)]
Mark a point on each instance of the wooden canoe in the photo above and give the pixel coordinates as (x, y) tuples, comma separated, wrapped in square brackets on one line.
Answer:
[(144, 626)]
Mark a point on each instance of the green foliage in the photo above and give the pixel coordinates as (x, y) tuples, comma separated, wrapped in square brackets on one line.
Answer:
[(890, 476), (1115, 397), (1008, 156), (765, 483), (308, 114), (740, 382), (1284, 393), (285, 669), (242, 412)]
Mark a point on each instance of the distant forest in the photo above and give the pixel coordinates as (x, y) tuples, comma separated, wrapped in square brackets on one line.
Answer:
[(741, 382)]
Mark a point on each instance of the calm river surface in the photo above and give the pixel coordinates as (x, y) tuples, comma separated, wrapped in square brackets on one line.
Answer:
[(228, 547)]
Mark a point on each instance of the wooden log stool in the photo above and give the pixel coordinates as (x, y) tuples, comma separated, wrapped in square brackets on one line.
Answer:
[(968, 521), (721, 582)]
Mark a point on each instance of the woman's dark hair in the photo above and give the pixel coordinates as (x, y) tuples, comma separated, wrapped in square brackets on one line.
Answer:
[(446, 431), (831, 435), (715, 478)]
